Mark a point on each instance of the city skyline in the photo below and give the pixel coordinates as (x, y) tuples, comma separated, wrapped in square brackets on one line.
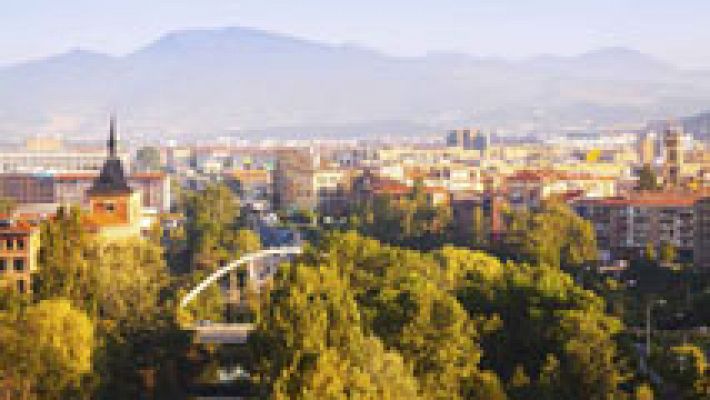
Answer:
[(510, 29)]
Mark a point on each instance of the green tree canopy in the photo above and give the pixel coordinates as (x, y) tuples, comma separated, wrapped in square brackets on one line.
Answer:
[(553, 235), (411, 221), (46, 350), (7, 205), (647, 179)]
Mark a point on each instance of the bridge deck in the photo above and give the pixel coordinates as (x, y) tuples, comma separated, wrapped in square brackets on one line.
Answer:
[(222, 333)]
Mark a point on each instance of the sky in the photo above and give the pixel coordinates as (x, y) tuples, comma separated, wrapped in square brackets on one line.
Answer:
[(673, 30)]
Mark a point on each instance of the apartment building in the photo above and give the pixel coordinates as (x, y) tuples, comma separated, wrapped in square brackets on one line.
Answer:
[(19, 249), (702, 233), (465, 205), (625, 226), (250, 184), (72, 187), (368, 186), (528, 188), (64, 160), (450, 176), (303, 182)]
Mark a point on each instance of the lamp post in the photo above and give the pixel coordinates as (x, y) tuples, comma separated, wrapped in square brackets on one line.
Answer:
[(650, 305)]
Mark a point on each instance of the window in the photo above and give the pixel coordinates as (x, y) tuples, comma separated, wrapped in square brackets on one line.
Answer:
[(21, 287), (20, 244), (19, 264), (3, 264), (110, 207), (9, 244)]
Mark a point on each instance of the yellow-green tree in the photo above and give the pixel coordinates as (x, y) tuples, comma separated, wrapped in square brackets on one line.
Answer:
[(553, 235), (46, 351), (310, 344), (687, 368), (643, 392), (64, 269), (7, 205)]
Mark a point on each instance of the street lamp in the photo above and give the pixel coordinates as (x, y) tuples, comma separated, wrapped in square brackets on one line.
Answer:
[(650, 305)]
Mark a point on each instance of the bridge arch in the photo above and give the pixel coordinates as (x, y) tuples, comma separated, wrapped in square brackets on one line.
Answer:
[(246, 259)]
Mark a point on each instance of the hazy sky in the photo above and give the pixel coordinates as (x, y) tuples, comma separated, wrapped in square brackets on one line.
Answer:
[(675, 30)]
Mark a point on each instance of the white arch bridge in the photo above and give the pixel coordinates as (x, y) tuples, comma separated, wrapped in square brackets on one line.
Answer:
[(249, 260), (235, 333)]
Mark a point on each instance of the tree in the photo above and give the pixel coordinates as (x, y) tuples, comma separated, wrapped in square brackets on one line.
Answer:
[(647, 179), (46, 351), (667, 253), (403, 299), (64, 269), (208, 306), (124, 289), (212, 230), (310, 344), (137, 328), (553, 235), (687, 367), (374, 374), (7, 206), (129, 279), (549, 328), (479, 229), (650, 255), (643, 392), (410, 221), (589, 358), (461, 322)]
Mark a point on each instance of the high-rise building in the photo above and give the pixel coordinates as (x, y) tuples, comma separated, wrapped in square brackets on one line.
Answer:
[(303, 181), (673, 144), (647, 148), (469, 139), (464, 138)]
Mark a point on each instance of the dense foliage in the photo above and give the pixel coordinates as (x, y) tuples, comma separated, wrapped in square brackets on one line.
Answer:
[(463, 324), (7, 206), (552, 235), (648, 179), (411, 220)]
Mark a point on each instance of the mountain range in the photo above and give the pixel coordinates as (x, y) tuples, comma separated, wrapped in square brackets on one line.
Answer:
[(236, 80)]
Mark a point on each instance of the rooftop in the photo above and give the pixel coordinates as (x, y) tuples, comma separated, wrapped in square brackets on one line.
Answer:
[(650, 199)]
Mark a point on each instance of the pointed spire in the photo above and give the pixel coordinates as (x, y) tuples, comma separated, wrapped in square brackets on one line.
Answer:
[(112, 141)]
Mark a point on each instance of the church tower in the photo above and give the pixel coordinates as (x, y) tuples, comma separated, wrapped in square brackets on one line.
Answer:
[(115, 208)]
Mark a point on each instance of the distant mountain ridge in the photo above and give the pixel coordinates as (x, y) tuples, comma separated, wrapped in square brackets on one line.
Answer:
[(215, 81)]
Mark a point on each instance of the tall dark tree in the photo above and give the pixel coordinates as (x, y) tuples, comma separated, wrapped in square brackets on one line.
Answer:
[(647, 178)]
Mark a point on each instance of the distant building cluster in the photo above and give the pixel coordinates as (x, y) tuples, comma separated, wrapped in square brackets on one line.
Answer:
[(467, 169)]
